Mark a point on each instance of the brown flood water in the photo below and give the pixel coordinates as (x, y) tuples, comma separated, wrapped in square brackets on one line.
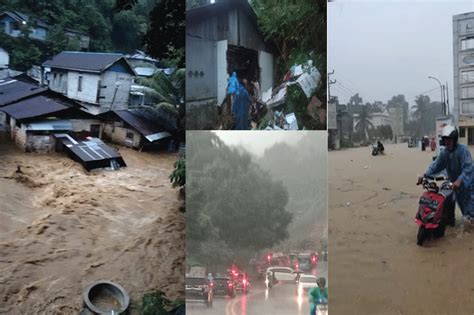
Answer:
[(375, 265), (61, 228)]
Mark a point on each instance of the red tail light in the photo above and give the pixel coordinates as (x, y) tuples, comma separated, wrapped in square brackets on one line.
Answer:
[(230, 285), (314, 258), (244, 281)]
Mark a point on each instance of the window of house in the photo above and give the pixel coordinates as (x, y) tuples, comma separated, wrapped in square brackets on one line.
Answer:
[(462, 132), (79, 83), (467, 92), (129, 136), (467, 43), (467, 76), (467, 107), (3, 26)]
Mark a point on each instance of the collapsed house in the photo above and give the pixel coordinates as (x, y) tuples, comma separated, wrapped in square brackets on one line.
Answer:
[(43, 121), (32, 122), (224, 38), (128, 129)]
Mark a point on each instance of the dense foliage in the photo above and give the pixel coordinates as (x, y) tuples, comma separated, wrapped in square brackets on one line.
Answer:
[(232, 203), (113, 26)]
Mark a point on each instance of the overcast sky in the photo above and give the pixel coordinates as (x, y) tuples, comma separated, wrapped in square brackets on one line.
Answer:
[(257, 142), (384, 48)]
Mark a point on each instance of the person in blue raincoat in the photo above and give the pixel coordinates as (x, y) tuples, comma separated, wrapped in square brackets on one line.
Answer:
[(456, 160), (240, 108)]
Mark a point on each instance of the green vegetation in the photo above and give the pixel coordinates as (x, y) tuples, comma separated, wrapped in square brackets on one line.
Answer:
[(156, 303), (232, 203), (286, 24), (113, 26)]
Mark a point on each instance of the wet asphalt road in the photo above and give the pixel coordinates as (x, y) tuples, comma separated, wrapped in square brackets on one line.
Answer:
[(282, 299)]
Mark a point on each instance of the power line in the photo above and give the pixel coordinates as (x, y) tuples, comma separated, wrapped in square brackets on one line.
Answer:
[(343, 91), (346, 88)]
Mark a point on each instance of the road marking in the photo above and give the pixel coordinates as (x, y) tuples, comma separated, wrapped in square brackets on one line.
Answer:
[(230, 307)]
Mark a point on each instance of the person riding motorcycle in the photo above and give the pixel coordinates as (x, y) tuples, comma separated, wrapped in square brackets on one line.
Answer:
[(318, 295), (456, 159), (380, 147)]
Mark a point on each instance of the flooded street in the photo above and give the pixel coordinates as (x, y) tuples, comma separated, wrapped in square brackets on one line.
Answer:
[(282, 299), (375, 263), (61, 228)]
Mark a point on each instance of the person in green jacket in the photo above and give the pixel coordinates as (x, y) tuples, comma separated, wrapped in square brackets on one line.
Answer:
[(318, 295)]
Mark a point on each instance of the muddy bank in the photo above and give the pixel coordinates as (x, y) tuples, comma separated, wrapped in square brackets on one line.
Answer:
[(62, 228), (375, 264)]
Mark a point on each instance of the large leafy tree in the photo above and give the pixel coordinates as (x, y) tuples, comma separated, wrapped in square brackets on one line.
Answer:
[(166, 35), (230, 199)]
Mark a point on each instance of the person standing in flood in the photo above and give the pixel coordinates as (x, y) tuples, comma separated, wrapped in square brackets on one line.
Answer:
[(240, 108)]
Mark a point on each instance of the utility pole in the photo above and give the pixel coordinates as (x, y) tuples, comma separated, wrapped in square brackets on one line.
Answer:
[(443, 102), (329, 84), (447, 100)]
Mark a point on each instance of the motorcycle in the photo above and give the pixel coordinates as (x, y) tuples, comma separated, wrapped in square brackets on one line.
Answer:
[(434, 207), (375, 150)]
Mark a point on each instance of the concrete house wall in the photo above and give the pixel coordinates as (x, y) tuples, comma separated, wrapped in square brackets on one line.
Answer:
[(117, 133), (89, 86), (206, 68), (115, 87), (463, 70)]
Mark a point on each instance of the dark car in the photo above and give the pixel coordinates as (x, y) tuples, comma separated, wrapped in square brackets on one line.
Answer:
[(224, 286), (242, 283), (199, 289)]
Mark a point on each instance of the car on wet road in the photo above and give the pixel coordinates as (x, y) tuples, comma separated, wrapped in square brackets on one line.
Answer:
[(224, 286), (199, 289)]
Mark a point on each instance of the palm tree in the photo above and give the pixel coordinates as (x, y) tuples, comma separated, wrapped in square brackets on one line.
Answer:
[(363, 124)]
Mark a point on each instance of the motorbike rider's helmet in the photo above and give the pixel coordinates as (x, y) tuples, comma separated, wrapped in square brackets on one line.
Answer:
[(450, 132), (321, 281)]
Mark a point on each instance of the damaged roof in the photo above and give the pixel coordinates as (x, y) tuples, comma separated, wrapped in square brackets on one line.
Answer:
[(14, 90), (33, 107), (149, 130), (85, 61)]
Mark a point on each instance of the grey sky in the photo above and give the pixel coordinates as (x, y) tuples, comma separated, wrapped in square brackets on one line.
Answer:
[(384, 48), (256, 143)]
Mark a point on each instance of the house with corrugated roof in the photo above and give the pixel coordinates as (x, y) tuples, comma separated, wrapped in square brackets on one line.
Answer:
[(224, 37), (101, 81), (129, 129), (32, 115)]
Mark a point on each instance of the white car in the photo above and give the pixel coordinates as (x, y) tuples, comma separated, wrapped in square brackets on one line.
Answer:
[(281, 274), (306, 282)]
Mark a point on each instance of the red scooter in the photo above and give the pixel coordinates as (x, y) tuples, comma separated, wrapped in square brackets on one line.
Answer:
[(435, 206)]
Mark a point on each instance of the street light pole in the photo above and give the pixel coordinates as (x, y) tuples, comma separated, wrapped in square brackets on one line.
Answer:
[(442, 94)]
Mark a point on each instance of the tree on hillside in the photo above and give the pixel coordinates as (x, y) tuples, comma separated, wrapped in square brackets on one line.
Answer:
[(230, 198), (166, 35)]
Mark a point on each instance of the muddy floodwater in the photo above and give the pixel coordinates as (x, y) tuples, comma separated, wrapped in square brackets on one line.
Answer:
[(375, 265), (62, 228)]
